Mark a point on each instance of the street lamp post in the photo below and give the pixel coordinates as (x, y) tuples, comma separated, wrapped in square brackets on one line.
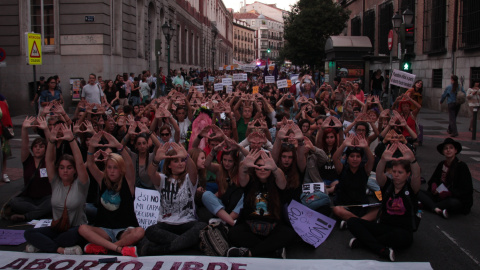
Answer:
[(168, 31), (213, 58), (399, 23)]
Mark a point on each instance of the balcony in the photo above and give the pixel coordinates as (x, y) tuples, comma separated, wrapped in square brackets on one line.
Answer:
[(264, 36)]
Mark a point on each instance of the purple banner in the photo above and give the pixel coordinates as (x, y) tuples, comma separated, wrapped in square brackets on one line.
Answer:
[(12, 237), (311, 226)]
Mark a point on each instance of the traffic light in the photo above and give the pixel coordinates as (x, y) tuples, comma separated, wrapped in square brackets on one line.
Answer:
[(268, 50), (409, 38), (407, 63)]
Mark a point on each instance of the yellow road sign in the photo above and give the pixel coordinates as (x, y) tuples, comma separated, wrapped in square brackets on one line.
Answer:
[(34, 52)]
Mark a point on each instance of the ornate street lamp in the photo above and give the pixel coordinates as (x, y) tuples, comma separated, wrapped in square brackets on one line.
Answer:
[(168, 31)]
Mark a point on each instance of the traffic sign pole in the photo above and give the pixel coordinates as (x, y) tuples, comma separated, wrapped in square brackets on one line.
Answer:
[(390, 46)]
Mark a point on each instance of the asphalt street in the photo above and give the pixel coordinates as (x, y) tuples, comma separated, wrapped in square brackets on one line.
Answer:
[(446, 244)]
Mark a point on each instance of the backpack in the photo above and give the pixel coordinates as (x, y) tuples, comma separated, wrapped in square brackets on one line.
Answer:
[(460, 97), (214, 240)]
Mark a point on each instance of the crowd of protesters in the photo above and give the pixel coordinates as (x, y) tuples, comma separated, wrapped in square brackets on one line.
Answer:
[(237, 156)]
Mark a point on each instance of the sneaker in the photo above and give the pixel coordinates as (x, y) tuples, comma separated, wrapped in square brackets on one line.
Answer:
[(75, 250), (445, 214), (238, 252), (5, 178), (388, 253), (129, 251), (354, 243), (343, 225), (31, 249), (281, 253), (94, 249)]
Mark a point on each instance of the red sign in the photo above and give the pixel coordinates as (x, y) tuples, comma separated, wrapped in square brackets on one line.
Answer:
[(390, 40), (3, 54)]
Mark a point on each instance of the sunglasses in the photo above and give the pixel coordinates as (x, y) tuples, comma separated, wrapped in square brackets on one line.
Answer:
[(164, 134)]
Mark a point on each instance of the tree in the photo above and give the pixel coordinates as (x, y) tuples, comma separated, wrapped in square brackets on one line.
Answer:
[(307, 27)]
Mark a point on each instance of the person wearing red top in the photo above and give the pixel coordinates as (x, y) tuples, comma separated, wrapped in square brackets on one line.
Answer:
[(5, 145)]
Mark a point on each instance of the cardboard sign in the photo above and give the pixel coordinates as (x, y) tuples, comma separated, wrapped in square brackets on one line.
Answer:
[(248, 69), (12, 237), (240, 77), (255, 89), (218, 86), (402, 79), (311, 226), (269, 79), (227, 81), (289, 83), (200, 88), (282, 83), (147, 206), (313, 187), (229, 89)]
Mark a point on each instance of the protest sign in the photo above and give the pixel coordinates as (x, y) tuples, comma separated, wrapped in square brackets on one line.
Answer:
[(402, 79), (220, 68), (255, 89), (211, 78), (311, 226), (12, 237), (227, 81), (200, 88), (248, 69), (218, 87), (294, 78), (313, 187), (240, 77), (282, 83), (229, 89), (269, 79), (289, 82), (147, 206)]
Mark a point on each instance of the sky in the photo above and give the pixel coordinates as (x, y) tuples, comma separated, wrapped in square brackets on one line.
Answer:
[(236, 4)]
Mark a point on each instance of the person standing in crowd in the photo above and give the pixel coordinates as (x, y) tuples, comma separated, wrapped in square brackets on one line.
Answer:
[(377, 83), (6, 121), (38, 92), (450, 94), (51, 93), (92, 92), (473, 98)]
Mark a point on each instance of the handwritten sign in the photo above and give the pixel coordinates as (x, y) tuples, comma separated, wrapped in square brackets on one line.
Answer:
[(313, 187), (229, 89), (147, 206), (269, 79), (227, 81), (12, 237), (220, 68), (240, 77), (294, 77), (200, 88), (255, 89), (211, 78), (43, 223), (313, 227), (282, 83), (402, 79), (218, 86)]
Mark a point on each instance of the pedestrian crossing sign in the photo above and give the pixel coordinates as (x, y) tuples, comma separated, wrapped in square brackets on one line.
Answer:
[(34, 51)]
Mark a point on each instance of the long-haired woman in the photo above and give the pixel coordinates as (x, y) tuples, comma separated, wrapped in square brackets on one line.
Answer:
[(116, 227), (69, 181)]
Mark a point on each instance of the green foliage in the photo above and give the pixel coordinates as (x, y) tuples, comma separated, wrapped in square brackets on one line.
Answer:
[(307, 27)]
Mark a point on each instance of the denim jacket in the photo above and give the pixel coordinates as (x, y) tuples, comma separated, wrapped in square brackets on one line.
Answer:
[(450, 95)]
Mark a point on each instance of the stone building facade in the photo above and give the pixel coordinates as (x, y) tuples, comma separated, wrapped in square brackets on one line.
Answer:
[(446, 40), (243, 42), (108, 37)]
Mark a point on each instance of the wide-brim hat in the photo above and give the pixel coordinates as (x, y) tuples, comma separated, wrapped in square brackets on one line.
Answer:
[(451, 141)]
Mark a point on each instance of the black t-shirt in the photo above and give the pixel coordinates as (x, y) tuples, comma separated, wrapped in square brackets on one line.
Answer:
[(377, 83), (259, 208), (115, 209), (121, 90), (351, 187), (110, 95), (230, 198), (397, 208)]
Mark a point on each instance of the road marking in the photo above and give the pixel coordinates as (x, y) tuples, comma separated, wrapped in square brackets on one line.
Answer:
[(475, 158), (471, 153), (461, 248), (464, 147)]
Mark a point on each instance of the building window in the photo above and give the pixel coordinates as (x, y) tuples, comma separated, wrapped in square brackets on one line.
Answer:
[(43, 9), (437, 77), (356, 26), (469, 24), (369, 26), (434, 26), (474, 75), (384, 26)]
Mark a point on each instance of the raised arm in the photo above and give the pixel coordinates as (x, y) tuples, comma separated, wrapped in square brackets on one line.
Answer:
[(77, 155), (25, 152), (92, 167), (386, 156), (129, 167)]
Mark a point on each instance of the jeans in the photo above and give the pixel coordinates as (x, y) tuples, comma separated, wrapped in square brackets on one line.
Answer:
[(214, 204), (135, 100), (378, 236), (164, 238), (453, 110), (241, 235), (32, 208), (162, 90), (452, 205), (48, 240)]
